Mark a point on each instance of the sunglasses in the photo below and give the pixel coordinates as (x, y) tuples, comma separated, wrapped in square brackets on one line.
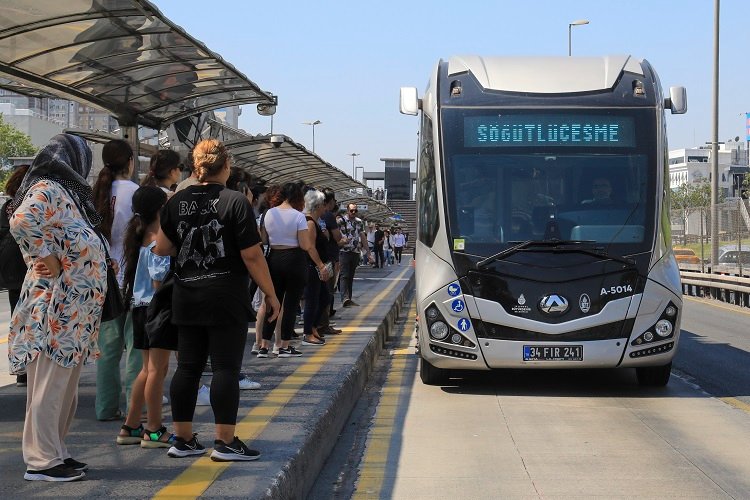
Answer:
[(352, 211)]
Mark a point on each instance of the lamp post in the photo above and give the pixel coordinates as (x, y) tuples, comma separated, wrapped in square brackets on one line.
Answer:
[(353, 155), (580, 22), (363, 174), (316, 122)]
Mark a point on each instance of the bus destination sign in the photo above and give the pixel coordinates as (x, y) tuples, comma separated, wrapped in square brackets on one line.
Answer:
[(526, 130)]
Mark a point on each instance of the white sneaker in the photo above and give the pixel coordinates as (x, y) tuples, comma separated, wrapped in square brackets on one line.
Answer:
[(275, 351), (255, 348), (204, 396), (164, 400), (248, 385)]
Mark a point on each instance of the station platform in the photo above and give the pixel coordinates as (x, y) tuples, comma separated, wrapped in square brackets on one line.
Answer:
[(294, 419)]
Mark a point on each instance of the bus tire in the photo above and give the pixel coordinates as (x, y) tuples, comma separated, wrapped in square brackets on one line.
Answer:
[(431, 375), (654, 376)]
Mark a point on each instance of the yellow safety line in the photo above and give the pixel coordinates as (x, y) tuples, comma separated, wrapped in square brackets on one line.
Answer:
[(3, 340), (199, 476), (375, 461), (740, 405)]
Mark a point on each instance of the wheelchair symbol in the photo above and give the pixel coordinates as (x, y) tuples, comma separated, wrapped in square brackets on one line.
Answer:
[(458, 305)]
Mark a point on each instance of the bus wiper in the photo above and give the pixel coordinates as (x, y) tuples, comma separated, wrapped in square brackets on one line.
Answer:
[(520, 245)]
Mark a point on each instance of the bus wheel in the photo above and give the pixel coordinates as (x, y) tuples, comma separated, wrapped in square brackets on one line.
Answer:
[(432, 375), (654, 376)]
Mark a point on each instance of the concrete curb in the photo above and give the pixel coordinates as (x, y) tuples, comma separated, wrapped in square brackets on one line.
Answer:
[(299, 474)]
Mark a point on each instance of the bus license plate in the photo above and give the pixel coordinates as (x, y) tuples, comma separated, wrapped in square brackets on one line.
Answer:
[(552, 353)]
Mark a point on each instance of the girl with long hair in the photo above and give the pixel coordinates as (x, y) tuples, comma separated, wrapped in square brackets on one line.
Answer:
[(164, 170), (144, 272), (113, 193)]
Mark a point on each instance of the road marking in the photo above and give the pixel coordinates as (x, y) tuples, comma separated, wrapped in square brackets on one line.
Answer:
[(716, 303), (740, 405), (199, 476), (372, 470), (3, 340)]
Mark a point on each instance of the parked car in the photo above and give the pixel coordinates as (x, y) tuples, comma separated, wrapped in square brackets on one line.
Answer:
[(686, 256), (730, 254)]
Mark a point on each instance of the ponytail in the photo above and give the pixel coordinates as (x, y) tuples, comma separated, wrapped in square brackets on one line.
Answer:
[(116, 156)]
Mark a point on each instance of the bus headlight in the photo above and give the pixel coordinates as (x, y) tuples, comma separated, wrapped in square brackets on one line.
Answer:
[(663, 328), (648, 336), (670, 311), (439, 330), (432, 313)]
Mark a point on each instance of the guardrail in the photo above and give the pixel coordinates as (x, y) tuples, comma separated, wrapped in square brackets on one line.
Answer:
[(726, 285)]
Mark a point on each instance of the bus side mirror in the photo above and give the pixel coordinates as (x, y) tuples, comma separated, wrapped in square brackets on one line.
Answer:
[(410, 103), (677, 100)]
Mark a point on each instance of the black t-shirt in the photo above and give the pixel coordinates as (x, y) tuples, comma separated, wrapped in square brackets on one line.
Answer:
[(333, 245), (209, 225), (321, 243)]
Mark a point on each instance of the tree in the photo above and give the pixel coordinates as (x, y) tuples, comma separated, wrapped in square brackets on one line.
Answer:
[(13, 142), (689, 197)]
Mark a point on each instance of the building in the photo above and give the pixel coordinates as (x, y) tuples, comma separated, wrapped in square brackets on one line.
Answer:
[(694, 165)]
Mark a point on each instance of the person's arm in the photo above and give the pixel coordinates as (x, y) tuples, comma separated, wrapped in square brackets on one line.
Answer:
[(313, 252), (256, 265), (365, 245), (28, 227), (164, 245)]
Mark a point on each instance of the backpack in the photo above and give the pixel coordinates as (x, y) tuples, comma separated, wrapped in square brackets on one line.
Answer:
[(12, 265)]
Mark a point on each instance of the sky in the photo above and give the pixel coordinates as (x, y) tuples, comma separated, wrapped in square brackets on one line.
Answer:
[(343, 62)]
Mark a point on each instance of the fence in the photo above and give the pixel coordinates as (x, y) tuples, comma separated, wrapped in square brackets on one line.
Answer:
[(691, 228)]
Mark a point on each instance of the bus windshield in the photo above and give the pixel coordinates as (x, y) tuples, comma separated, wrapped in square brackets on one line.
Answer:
[(527, 175)]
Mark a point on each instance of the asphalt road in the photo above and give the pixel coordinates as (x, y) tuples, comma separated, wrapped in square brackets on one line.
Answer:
[(556, 434)]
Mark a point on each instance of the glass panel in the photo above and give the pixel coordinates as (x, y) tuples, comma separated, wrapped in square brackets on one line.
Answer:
[(498, 194)]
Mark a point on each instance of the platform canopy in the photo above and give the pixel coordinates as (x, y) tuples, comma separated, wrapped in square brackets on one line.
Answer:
[(123, 56), (287, 161)]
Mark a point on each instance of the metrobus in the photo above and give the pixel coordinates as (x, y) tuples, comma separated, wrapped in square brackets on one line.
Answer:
[(543, 216)]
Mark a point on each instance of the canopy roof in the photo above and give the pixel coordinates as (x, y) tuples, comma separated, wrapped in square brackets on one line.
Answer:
[(122, 56), (287, 161)]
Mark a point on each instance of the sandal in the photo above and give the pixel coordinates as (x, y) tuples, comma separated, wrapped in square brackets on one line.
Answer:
[(156, 439), (133, 437), (312, 340)]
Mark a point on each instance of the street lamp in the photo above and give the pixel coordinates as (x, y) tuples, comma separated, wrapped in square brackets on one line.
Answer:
[(316, 122), (353, 155), (363, 174), (580, 22)]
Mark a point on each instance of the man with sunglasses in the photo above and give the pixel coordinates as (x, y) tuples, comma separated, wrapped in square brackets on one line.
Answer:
[(353, 229)]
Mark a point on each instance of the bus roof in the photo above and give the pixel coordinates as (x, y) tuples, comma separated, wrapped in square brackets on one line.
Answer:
[(545, 75)]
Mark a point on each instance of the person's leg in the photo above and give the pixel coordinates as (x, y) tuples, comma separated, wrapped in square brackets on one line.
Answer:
[(325, 314), (226, 345), (108, 386), (135, 404), (276, 267), (133, 358), (311, 294), (377, 255), (158, 364), (192, 342), (49, 408), (69, 406), (295, 278), (349, 261), (323, 297)]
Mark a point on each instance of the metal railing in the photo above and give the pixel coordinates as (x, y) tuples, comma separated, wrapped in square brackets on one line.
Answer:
[(724, 285)]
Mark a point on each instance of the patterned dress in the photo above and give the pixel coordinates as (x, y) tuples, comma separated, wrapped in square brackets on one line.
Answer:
[(59, 316)]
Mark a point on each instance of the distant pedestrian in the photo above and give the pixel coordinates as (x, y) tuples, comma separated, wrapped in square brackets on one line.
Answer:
[(399, 242), (379, 244), (12, 265), (353, 229), (211, 231), (388, 247), (113, 194), (55, 325)]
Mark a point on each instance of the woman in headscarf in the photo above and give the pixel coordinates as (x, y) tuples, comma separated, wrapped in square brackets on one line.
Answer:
[(55, 325)]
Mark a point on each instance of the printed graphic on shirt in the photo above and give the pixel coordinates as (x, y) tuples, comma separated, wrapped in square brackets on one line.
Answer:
[(201, 245)]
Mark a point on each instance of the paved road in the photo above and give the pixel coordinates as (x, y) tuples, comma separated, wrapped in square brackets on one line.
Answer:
[(565, 434)]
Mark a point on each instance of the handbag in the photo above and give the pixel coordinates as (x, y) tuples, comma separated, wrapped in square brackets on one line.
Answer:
[(114, 304), (329, 268), (162, 334)]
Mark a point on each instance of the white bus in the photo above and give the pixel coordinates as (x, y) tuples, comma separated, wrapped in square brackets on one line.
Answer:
[(543, 216)]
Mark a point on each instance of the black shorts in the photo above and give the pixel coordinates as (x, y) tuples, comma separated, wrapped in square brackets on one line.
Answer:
[(140, 337)]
